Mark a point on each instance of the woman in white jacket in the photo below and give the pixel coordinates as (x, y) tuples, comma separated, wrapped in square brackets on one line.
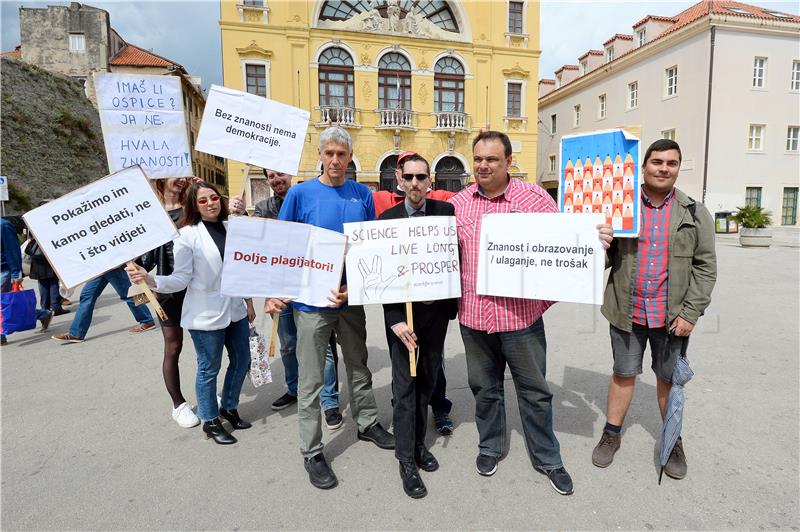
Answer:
[(212, 319)]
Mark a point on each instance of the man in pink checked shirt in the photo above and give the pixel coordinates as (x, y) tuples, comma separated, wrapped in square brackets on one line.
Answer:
[(500, 331)]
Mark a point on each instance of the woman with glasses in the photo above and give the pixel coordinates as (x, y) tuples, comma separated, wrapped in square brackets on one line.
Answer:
[(214, 321)]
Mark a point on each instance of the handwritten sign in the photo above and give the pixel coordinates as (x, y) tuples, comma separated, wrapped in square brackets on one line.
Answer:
[(272, 258), (599, 173), (407, 259), (100, 226), (556, 257), (254, 130), (143, 124)]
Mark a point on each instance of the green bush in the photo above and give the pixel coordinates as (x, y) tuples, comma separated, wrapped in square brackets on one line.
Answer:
[(751, 217)]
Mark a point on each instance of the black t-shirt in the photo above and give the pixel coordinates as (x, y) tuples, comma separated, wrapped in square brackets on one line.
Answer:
[(217, 232)]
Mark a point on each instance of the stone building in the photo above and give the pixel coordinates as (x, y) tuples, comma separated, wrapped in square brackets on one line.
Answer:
[(78, 40)]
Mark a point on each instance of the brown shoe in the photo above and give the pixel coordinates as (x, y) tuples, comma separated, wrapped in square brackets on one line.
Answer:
[(67, 338), (603, 453), (142, 327), (676, 465), (46, 321)]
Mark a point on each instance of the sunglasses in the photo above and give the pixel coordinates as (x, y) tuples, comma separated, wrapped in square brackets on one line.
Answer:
[(420, 177), (212, 199)]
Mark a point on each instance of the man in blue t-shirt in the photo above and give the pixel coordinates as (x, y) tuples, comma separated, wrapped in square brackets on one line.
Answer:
[(329, 201)]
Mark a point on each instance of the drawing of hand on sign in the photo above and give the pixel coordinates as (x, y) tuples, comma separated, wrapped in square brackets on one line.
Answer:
[(374, 283)]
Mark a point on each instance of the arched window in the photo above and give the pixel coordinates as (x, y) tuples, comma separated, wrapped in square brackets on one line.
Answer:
[(336, 78), (448, 85), (388, 179), (437, 11), (449, 174), (394, 82)]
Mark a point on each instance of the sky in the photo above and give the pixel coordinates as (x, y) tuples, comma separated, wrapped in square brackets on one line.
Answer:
[(187, 31)]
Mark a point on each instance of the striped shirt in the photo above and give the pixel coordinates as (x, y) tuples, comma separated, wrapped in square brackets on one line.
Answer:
[(489, 313), (649, 301)]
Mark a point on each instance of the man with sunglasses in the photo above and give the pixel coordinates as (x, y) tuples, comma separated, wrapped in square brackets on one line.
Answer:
[(384, 200), (412, 395)]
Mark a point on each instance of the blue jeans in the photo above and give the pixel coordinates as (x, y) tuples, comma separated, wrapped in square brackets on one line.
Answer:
[(287, 332), (92, 290), (208, 346), (440, 404), (49, 297), (525, 352)]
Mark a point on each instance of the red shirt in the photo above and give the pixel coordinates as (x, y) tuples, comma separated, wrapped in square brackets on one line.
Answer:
[(651, 278), (490, 313)]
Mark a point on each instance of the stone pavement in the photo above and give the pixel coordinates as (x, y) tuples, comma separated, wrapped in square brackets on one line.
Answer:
[(88, 441)]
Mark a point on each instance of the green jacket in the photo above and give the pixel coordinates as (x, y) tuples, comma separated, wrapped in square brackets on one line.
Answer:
[(692, 267)]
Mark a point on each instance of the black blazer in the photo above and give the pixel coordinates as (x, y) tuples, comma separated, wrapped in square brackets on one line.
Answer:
[(395, 313)]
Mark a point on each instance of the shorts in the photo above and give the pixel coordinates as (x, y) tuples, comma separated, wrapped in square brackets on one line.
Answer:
[(628, 350), (173, 306)]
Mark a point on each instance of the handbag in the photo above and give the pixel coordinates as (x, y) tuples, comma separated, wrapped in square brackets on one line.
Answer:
[(17, 309), (260, 372), (26, 259)]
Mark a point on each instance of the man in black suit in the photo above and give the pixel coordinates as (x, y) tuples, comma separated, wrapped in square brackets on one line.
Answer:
[(412, 395)]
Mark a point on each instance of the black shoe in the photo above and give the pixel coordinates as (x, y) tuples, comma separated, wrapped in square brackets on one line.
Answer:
[(559, 479), (486, 465), (412, 482), (60, 311), (215, 430), (379, 436), (283, 401), (425, 459), (233, 418), (444, 425), (333, 418), (320, 473)]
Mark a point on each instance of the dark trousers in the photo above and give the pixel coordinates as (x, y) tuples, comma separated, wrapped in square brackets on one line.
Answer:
[(412, 395), (49, 296)]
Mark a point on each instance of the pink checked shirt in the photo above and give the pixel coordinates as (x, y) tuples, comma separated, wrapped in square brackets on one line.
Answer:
[(650, 280), (489, 313)]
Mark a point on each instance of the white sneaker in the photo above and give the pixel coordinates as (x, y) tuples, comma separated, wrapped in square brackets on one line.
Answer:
[(184, 416)]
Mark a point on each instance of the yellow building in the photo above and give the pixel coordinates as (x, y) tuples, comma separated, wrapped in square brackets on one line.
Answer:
[(399, 75)]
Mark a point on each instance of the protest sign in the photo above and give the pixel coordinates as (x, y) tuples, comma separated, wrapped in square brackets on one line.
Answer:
[(143, 123), (406, 259), (101, 226), (599, 173), (272, 258), (254, 130), (551, 256)]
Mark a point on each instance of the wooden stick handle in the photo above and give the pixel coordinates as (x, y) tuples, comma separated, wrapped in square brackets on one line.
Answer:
[(412, 356), (271, 352), (150, 297), (245, 180)]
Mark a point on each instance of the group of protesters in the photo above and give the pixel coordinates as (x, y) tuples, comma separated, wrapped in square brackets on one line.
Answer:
[(660, 284)]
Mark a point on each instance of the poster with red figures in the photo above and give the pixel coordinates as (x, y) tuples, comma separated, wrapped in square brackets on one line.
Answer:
[(599, 173)]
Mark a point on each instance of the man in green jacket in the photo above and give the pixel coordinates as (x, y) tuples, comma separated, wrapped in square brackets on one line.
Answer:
[(660, 284)]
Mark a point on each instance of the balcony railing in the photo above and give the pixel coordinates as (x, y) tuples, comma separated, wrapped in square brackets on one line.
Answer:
[(451, 121), (396, 119), (337, 115)]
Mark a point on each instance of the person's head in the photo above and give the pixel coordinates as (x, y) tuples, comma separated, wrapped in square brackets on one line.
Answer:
[(414, 178), (335, 153), (173, 186), (278, 182), (662, 161), (203, 202), (491, 159)]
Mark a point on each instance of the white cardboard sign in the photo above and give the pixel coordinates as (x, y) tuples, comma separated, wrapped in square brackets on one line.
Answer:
[(143, 123), (550, 256), (406, 259), (273, 258), (254, 130), (101, 226)]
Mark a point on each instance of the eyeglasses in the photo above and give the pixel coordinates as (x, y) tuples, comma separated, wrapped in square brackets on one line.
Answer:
[(420, 177), (212, 199)]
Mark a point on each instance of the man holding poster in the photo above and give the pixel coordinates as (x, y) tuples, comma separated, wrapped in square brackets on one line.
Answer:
[(500, 331), (329, 201), (412, 395), (660, 284)]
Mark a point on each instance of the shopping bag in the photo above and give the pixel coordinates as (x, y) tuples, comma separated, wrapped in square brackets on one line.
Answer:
[(17, 309), (260, 372)]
